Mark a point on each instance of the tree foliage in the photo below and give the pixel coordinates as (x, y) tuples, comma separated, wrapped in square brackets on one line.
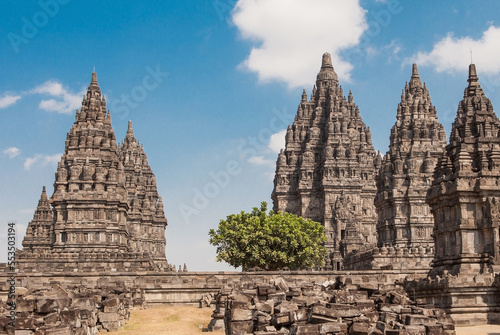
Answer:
[(269, 241)]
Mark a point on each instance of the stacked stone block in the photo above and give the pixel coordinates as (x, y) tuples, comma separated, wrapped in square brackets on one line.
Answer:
[(333, 307), (70, 311)]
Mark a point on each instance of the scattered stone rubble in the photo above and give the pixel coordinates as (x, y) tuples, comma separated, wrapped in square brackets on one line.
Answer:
[(333, 307), (76, 311)]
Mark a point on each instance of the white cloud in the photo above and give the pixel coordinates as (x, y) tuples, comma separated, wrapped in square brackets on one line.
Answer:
[(292, 35), (42, 159), (452, 54), (12, 152), (260, 160), (267, 156), (277, 141), (8, 100), (63, 102)]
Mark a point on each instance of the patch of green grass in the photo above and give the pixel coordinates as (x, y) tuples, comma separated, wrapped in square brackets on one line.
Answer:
[(172, 318)]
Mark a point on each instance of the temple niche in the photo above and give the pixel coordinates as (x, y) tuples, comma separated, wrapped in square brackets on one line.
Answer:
[(105, 213), (327, 171)]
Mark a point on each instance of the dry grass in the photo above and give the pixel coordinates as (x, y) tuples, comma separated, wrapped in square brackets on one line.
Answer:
[(167, 320), (478, 330), (187, 320)]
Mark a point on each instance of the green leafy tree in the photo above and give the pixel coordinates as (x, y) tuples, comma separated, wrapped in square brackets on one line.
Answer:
[(269, 241)]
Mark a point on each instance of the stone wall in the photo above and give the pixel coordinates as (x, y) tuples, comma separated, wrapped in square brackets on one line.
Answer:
[(189, 287), (470, 300)]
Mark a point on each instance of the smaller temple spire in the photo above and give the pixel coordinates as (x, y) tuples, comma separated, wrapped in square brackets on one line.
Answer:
[(44, 200)]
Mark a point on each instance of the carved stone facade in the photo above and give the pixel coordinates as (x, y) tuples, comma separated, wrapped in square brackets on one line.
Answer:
[(146, 220), (465, 193), (107, 214), (464, 199), (405, 223), (39, 234), (417, 141), (327, 171)]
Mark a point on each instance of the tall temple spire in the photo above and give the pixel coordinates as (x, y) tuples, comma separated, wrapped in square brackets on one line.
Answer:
[(39, 231), (462, 196), (105, 200), (417, 141), (328, 147)]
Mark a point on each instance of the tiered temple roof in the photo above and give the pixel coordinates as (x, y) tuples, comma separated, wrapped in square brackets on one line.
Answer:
[(417, 140), (465, 193), (107, 214), (326, 172)]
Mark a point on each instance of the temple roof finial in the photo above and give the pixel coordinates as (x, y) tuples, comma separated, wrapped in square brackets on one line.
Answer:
[(44, 193), (414, 71), (327, 60), (327, 72), (130, 130), (94, 86), (473, 78)]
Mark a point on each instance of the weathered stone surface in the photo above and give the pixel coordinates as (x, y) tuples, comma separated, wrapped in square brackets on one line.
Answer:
[(48, 305), (106, 213), (405, 222), (374, 314), (57, 310), (326, 172), (464, 196)]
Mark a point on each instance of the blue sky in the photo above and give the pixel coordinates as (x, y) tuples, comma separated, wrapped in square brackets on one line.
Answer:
[(211, 85)]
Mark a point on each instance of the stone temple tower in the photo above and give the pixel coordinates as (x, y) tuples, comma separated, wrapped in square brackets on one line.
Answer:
[(417, 140), (465, 193), (39, 234), (106, 212), (327, 171), (146, 220)]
